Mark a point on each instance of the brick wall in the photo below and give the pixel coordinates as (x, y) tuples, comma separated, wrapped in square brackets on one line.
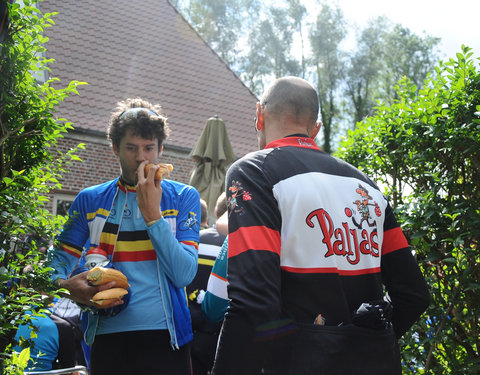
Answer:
[(99, 164)]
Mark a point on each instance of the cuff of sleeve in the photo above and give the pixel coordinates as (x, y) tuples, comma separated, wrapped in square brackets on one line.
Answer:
[(150, 223)]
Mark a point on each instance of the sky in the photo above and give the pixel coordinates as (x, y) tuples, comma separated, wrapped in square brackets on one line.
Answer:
[(456, 22)]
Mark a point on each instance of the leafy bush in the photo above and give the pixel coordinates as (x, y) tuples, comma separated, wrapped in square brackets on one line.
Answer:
[(425, 151), (30, 164), (16, 363)]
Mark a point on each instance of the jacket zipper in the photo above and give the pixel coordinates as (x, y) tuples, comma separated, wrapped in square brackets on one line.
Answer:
[(174, 335)]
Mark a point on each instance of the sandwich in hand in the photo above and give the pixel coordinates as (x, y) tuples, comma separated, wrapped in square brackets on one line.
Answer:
[(101, 276), (162, 172), (106, 297)]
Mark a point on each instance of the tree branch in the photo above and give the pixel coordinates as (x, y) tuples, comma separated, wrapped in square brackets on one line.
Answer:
[(5, 133)]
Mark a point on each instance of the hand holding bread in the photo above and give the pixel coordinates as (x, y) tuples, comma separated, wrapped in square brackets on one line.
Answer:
[(149, 189), (100, 276), (162, 172), (106, 297)]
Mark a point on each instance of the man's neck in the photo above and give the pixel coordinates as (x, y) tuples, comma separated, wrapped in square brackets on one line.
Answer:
[(125, 182), (279, 132)]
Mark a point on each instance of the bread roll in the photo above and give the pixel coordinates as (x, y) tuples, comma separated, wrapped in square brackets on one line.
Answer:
[(101, 275), (162, 171), (107, 296)]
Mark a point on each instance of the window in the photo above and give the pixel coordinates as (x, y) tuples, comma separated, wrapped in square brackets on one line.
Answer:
[(62, 203)]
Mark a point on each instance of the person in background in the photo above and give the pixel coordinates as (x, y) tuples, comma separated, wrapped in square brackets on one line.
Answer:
[(45, 344), (205, 332), (149, 229), (215, 301), (66, 314), (204, 214), (211, 236), (313, 245), (53, 341), (53, 345)]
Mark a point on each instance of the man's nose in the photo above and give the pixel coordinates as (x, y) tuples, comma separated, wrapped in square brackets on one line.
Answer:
[(141, 155)]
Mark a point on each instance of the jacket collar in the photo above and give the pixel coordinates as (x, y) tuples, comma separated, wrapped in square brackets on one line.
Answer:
[(124, 187), (295, 140)]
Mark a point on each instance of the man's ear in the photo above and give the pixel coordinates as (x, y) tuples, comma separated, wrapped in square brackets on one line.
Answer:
[(260, 122), (316, 129), (115, 149), (260, 119), (160, 151)]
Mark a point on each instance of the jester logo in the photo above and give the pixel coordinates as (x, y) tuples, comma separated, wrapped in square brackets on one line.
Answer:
[(363, 204), (238, 194)]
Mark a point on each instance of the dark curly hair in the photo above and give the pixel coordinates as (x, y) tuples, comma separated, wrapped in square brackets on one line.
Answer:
[(141, 117)]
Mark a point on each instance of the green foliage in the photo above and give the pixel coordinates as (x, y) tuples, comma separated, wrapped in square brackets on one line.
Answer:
[(262, 41), (29, 164), (269, 51), (363, 69), (297, 13), (425, 150), (16, 363), (326, 36), (384, 54), (405, 54), (220, 22)]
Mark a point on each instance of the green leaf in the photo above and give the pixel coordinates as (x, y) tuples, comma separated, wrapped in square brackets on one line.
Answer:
[(23, 358), (450, 260)]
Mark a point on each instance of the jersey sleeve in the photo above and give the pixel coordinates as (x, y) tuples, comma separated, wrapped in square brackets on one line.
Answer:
[(403, 279), (188, 219), (215, 301), (178, 254), (67, 250), (254, 275)]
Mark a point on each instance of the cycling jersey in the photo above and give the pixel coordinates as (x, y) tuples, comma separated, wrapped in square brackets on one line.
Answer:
[(159, 261)]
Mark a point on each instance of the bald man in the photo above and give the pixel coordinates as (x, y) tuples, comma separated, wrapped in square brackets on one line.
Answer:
[(321, 278)]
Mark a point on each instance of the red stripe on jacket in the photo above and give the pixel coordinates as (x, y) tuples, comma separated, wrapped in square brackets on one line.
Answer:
[(393, 239), (138, 255), (190, 243), (253, 238), (364, 271), (72, 251), (219, 277), (134, 256)]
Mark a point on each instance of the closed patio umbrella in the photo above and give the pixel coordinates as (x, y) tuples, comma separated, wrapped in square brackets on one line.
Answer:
[(213, 153)]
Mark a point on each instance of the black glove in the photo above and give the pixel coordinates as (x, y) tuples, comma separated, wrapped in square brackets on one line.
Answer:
[(374, 315)]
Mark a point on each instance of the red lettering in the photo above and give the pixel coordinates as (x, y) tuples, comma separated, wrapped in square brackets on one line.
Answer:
[(325, 224), (365, 244), (374, 242), (339, 245), (345, 240), (350, 252), (355, 242)]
